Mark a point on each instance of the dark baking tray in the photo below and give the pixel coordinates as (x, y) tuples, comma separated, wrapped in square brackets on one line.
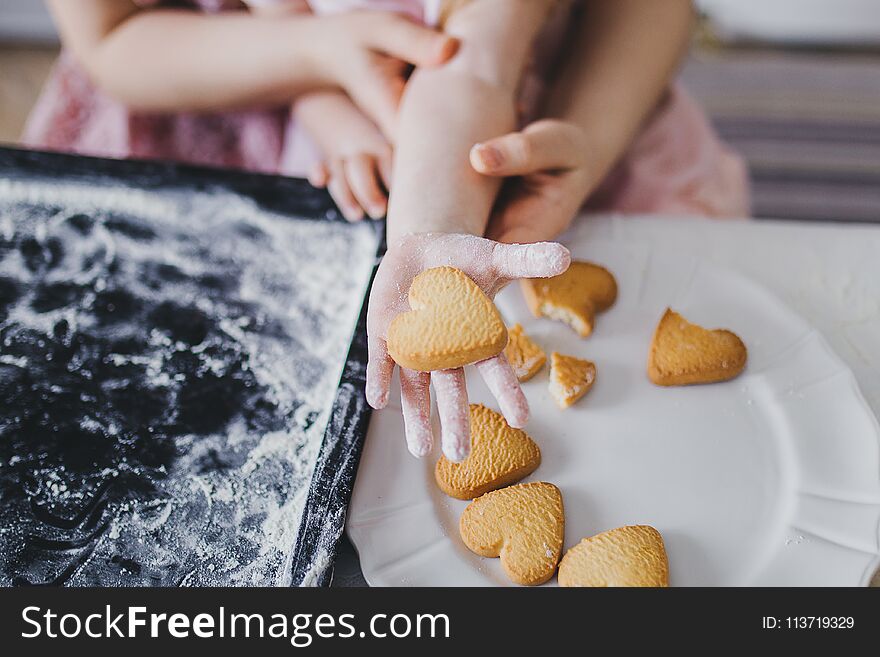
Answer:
[(331, 485)]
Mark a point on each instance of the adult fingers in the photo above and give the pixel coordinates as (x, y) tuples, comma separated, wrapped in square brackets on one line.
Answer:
[(415, 399), (362, 176), (341, 193), (452, 407), (542, 146), (538, 260), (512, 221), (380, 367), (409, 41), (504, 385)]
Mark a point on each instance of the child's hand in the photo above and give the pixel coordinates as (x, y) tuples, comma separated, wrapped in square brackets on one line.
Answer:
[(549, 160), (356, 169), (368, 53), (358, 182), (492, 266)]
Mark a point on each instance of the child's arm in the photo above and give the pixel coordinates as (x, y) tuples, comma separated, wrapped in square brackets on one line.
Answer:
[(437, 195), (356, 164), (174, 60), (167, 59), (446, 110)]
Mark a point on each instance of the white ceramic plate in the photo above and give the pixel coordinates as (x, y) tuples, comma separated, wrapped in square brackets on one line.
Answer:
[(770, 479)]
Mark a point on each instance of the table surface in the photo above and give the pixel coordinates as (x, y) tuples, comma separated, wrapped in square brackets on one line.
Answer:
[(829, 273)]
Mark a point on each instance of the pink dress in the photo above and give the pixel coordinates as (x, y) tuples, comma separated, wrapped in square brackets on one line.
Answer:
[(676, 164)]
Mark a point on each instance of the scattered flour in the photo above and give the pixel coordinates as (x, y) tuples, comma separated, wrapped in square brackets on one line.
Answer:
[(193, 501)]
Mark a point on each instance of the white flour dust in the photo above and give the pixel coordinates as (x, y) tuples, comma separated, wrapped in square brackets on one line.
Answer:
[(168, 361)]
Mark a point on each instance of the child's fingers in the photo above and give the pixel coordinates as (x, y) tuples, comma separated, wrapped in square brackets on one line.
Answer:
[(341, 193), (538, 260), (362, 176), (542, 146), (412, 42), (415, 399), (377, 91), (380, 100), (319, 175), (502, 382), (452, 406), (380, 367), (383, 162)]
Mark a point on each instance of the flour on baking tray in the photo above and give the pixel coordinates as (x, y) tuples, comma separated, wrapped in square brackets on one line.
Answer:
[(169, 361)]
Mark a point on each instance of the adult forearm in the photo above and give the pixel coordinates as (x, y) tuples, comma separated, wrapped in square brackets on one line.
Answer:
[(622, 59)]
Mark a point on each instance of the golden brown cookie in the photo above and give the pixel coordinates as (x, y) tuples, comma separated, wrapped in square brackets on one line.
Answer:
[(626, 556), (683, 353), (500, 455), (574, 297), (524, 355), (523, 524), (570, 378), (451, 323)]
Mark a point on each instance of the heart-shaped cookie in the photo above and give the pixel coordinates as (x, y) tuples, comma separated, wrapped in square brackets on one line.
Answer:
[(683, 353), (451, 323), (524, 355), (500, 455), (574, 297), (570, 378), (626, 556), (523, 524)]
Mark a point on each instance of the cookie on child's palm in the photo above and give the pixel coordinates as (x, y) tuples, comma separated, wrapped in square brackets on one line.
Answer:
[(451, 323)]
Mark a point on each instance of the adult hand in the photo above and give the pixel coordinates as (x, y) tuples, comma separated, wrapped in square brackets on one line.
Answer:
[(548, 163), (492, 266), (369, 53)]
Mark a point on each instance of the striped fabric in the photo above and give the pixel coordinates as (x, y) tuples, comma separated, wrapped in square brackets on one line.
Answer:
[(808, 123)]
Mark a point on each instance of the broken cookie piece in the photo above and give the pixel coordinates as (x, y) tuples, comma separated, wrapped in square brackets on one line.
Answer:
[(524, 355), (684, 354), (574, 297), (570, 378)]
